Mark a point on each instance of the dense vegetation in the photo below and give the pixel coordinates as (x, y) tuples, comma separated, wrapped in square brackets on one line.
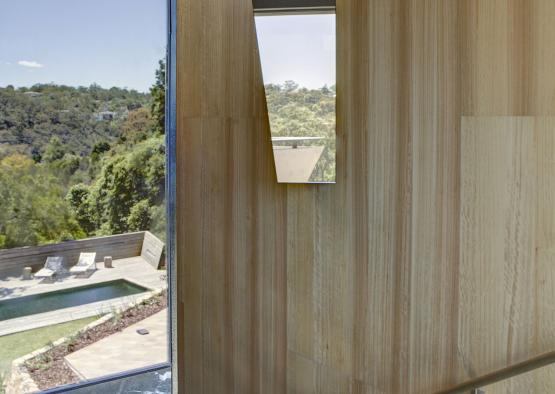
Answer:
[(79, 162), (302, 112), (30, 117), (67, 171)]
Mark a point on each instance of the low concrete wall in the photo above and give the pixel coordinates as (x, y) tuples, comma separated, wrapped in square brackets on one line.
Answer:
[(121, 246), (153, 250), (20, 382)]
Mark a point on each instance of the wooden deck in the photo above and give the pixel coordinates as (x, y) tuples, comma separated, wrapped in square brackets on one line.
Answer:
[(12, 261), (134, 269)]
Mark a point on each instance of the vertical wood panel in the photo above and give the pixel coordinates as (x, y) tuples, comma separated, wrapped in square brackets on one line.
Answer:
[(435, 131), (432, 258), (487, 58), (506, 247), (544, 380), (231, 213), (498, 240), (542, 78)]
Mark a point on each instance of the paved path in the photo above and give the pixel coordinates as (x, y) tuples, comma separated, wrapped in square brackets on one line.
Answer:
[(125, 350)]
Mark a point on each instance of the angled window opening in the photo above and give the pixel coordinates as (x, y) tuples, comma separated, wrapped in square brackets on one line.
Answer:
[(297, 46)]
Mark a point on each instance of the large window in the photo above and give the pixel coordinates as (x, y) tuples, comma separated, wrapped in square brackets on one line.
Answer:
[(298, 57), (83, 172)]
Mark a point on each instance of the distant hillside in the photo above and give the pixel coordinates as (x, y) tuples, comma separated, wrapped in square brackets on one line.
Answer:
[(80, 162), (80, 117)]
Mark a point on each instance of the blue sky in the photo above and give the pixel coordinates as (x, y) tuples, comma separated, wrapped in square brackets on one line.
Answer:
[(119, 43), (299, 48), (80, 42)]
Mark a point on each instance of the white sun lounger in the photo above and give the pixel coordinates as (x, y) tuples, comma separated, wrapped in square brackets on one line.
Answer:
[(85, 264), (53, 266)]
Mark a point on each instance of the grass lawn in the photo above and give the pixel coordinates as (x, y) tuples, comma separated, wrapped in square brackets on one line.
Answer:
[(16, 345)]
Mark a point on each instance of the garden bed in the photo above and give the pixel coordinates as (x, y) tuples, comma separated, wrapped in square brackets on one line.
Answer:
[(49, 369)]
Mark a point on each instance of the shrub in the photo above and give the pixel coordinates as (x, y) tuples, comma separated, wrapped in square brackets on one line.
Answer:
[(139, 216)]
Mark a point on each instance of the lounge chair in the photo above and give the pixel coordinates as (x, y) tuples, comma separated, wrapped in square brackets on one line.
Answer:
[(85, 264), (54, 266)]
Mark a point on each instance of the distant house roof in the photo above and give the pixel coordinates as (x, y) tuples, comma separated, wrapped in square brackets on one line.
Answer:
[(105, 115), (32, 94)]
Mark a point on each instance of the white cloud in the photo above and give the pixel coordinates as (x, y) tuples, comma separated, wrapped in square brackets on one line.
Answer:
[(30, 64)]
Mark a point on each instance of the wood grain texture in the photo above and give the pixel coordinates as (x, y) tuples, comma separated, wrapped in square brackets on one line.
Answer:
[(498, 242), (506, 234), (430, 261)]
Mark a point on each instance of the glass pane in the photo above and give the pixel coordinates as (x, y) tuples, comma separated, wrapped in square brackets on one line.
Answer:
[(298, 64), (82, 190), (148, 383)]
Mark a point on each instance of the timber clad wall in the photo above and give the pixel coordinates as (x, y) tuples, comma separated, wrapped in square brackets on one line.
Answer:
[(432, 260)]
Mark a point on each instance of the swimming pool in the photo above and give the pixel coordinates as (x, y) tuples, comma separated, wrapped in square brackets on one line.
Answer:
[(54, 300)]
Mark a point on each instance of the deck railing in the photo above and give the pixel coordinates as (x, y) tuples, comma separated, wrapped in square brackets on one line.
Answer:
[(474, 385)]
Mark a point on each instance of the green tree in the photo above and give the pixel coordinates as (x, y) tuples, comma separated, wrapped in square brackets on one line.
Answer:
[(33, 208), (128, 182), (137, 127), (301, 112), (139, 217), (78, 198), (65, 174), (65, 112), (55, 150), (158, 93), (69, 164), (98, 149)]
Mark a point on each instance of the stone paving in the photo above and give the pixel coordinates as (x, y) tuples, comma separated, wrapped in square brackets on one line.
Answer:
[(134, 269), (125, 350)]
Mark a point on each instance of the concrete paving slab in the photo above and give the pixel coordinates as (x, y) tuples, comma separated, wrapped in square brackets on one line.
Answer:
[(125, 350)]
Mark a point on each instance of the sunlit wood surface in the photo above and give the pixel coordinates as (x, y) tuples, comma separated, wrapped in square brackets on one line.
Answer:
[(431, 261)]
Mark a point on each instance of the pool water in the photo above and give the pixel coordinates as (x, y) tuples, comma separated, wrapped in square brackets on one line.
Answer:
[(51, 301)]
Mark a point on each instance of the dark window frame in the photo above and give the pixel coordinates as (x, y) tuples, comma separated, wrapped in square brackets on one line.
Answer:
[(285, 6), (171, 7)]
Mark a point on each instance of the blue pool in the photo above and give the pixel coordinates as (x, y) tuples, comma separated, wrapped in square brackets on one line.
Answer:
[(51, 301)]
